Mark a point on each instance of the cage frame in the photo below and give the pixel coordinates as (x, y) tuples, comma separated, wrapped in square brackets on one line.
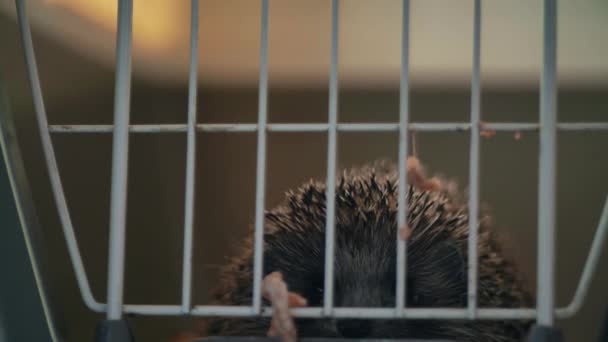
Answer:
[(545, 311)]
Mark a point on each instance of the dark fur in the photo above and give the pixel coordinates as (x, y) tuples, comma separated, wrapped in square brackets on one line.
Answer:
[(365, 262)]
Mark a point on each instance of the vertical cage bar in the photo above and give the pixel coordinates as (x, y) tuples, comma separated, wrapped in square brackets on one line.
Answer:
[(51, 162), (474, 164), (404, 114), (593, 259), (547, 172), (190, 161), (332, 151), (261, 163), (120, 159)]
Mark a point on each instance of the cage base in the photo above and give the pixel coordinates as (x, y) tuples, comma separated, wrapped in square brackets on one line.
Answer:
[(541, 333), (113, 331)]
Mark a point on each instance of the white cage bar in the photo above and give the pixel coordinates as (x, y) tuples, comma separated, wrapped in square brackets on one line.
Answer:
[(260, 182), (49, 155), (321, 127), (332, 155), (546, 169), (474, 163), (120, 160), (404, 117), (548, 127), (190, 161)]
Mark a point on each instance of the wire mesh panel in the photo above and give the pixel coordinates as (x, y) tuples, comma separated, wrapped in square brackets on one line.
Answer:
[(547, 127)]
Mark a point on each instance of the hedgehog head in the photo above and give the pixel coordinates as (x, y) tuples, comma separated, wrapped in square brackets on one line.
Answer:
[(365, 262)]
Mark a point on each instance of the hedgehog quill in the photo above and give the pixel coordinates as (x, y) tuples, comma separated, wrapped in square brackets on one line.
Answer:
[(365, 262)]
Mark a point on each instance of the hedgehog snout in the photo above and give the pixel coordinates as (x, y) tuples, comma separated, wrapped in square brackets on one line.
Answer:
[(361, 293)]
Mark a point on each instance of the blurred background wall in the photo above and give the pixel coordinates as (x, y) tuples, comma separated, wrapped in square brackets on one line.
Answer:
[(74, 45)]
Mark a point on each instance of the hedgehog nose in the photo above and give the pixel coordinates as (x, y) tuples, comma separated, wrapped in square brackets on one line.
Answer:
[(353, 328)]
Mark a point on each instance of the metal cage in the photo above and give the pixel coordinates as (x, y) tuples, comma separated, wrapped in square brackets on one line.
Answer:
[(547, 127)]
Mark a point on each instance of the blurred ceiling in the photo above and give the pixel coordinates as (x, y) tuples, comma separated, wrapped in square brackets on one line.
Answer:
[(370, 36)]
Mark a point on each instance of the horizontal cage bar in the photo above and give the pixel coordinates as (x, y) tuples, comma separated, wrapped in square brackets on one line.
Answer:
[(340, 312), (323, 127)]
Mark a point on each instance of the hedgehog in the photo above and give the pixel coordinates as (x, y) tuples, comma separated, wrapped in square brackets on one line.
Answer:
[(365, 261)]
